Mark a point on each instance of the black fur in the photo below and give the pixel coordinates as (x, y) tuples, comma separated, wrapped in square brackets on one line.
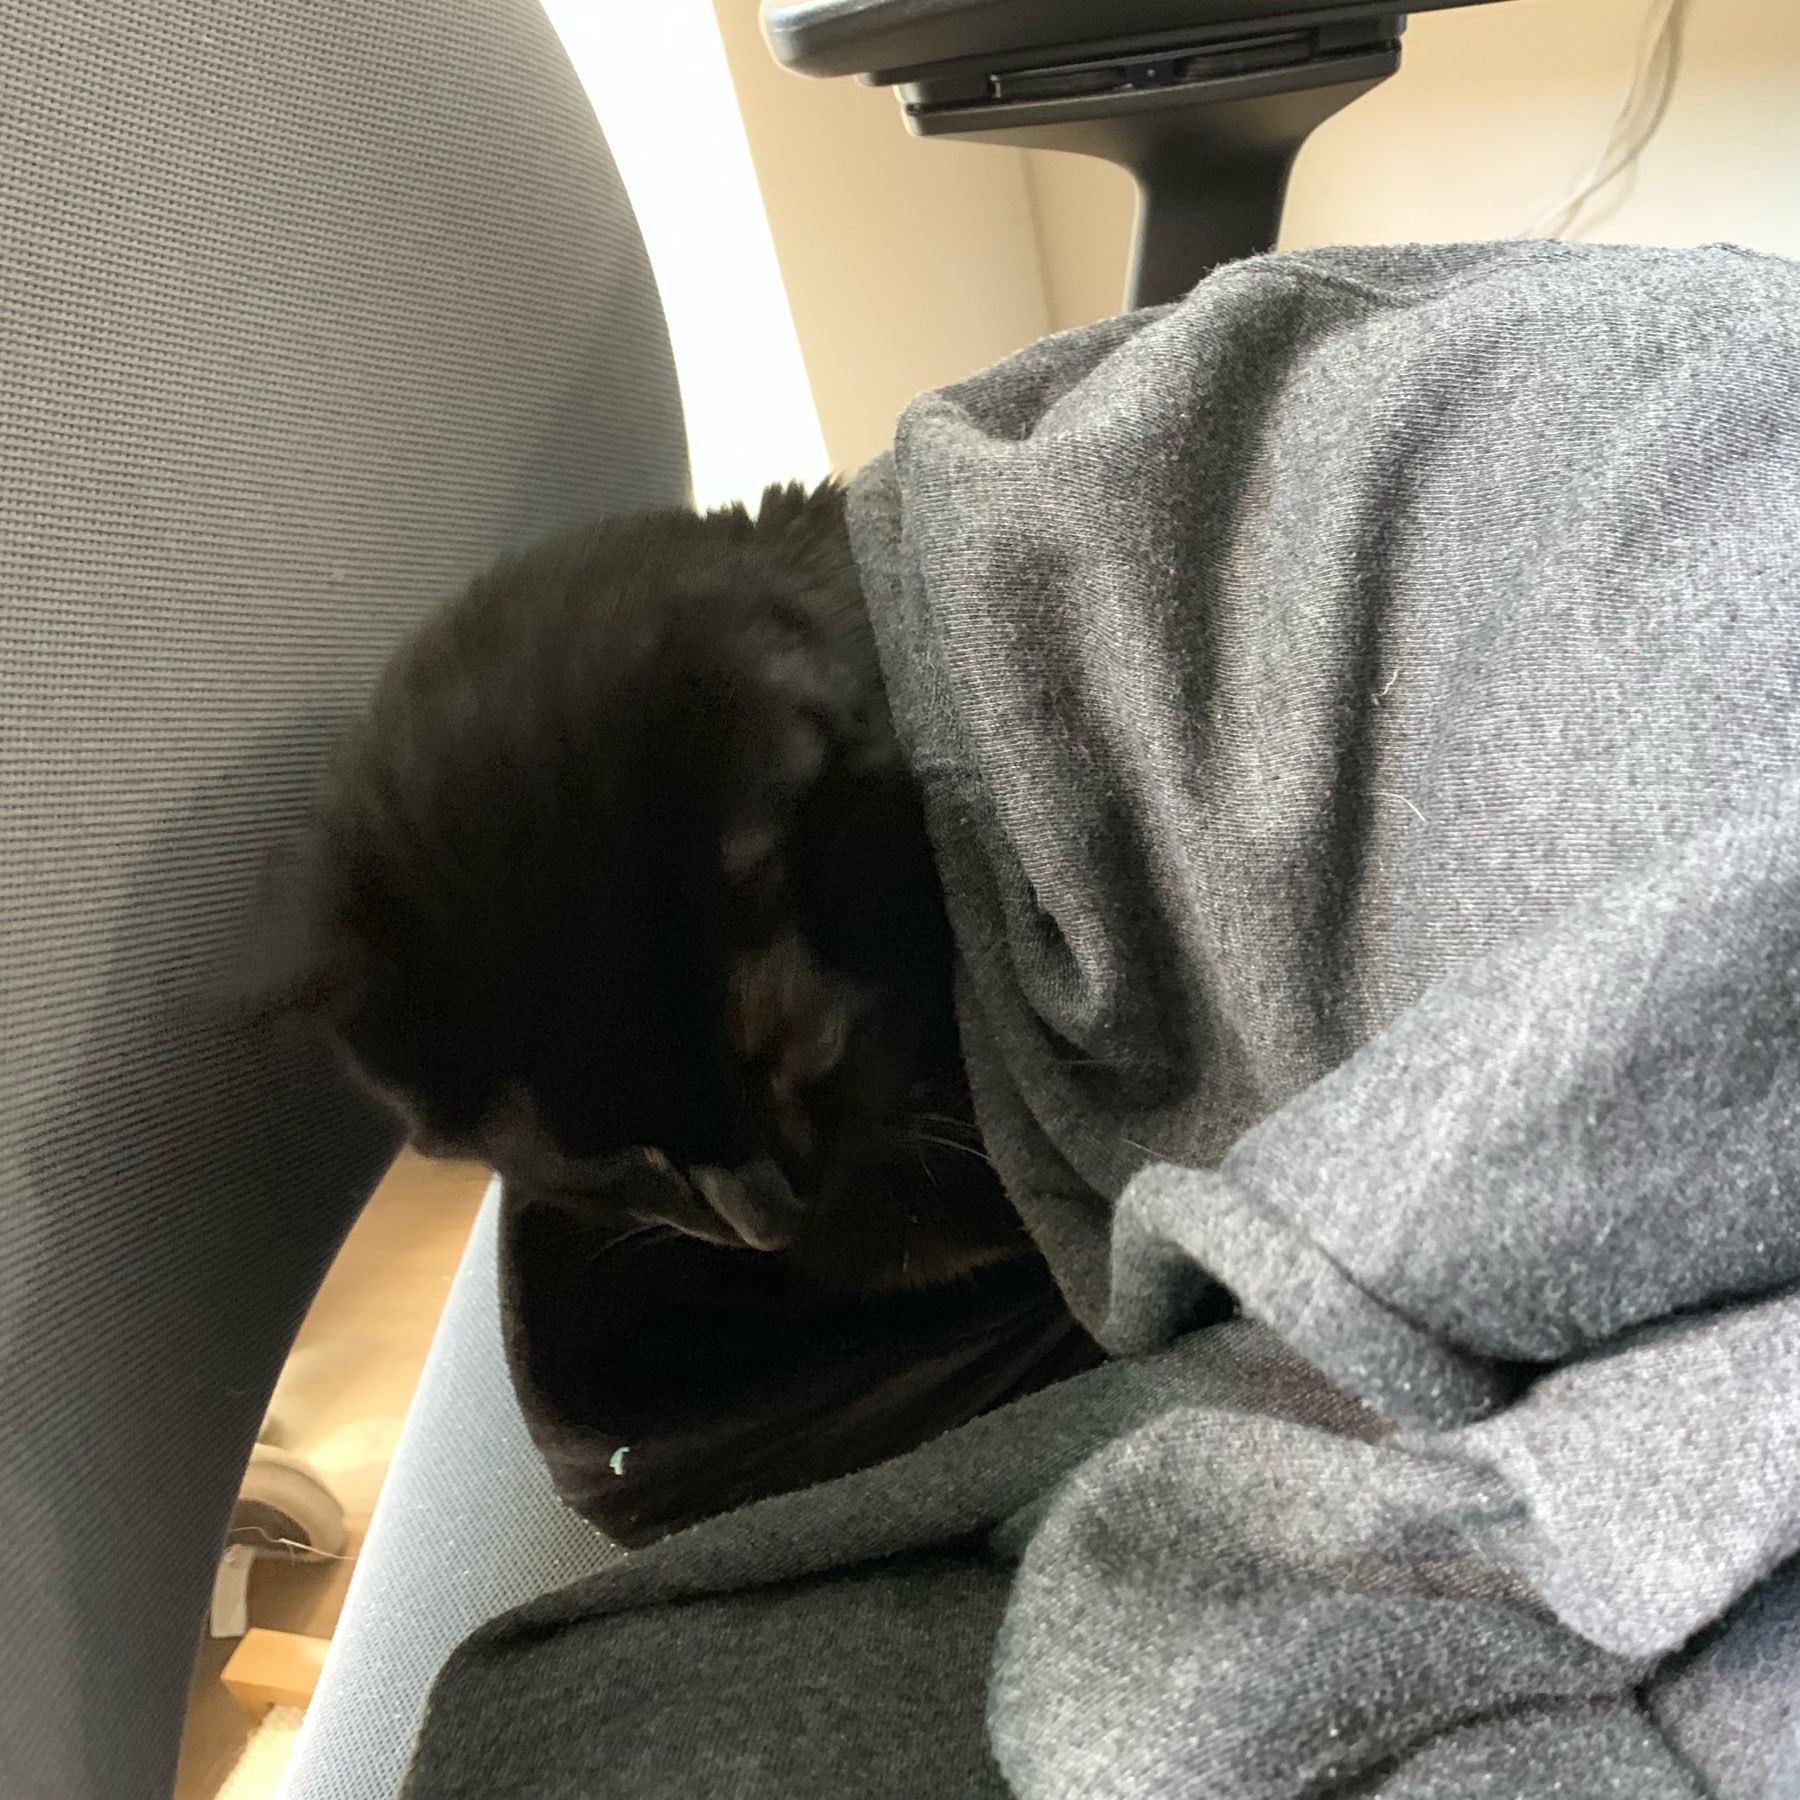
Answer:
[(623, 862)]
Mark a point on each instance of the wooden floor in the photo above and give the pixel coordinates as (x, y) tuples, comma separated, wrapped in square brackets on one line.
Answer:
[(339, 1404)]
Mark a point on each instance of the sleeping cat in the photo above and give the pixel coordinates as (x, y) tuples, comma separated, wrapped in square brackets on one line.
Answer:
[(623, 864)]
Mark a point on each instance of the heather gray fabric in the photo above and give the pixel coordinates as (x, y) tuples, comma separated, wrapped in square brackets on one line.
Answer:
[(1362, 739), (305, 312), (1359, 713), (1274, 657), (1724, 1702), (1174, 1630), (648, 1680)]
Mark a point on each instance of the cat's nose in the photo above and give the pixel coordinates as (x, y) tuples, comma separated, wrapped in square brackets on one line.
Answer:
[(756, 1202)]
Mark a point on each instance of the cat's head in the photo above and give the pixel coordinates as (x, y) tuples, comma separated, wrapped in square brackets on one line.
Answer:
[(622, 862)]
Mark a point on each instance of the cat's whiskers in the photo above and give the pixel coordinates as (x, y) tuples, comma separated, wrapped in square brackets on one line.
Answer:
[(944, 1143), (655, 1230), (925, 1163), (944, 1127)]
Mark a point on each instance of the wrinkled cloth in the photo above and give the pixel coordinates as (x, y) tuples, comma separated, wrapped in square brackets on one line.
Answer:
[(1357, 713), (832, 1642)]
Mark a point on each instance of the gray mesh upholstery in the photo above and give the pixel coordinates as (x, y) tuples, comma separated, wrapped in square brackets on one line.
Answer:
[(468, 1526), (306, 309)]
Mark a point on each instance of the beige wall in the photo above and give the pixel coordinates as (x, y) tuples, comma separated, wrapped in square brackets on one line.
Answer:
[(681, 151), (1084, 209), (908, 263), (1501, 110), (1495, 118)]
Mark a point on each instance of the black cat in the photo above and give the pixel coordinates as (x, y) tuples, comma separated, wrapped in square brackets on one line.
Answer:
[(623, 861)]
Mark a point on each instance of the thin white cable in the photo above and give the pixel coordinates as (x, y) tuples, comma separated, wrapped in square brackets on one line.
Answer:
[(1640, 118)]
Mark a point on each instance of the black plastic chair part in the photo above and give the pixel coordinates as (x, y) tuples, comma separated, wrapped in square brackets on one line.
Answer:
[(1205, 102)]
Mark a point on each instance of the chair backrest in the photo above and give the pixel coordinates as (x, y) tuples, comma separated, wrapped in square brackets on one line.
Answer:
[(307, 309)]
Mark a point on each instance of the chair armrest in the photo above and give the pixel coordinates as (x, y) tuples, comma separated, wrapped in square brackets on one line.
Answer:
[(893, 40), (1206, 102)]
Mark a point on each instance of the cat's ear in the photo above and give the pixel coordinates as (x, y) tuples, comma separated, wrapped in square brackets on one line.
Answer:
[(801, 516)]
